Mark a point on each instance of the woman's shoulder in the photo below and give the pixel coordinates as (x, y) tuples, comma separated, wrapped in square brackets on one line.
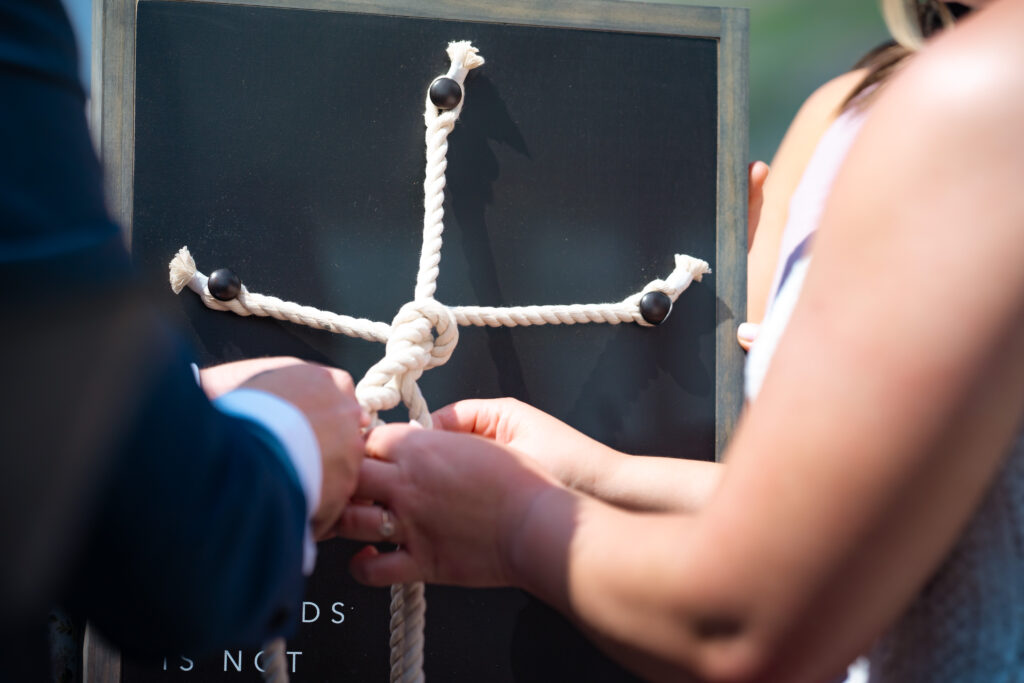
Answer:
[(939, 158), (815, 117), (822, 107), (828, 99)]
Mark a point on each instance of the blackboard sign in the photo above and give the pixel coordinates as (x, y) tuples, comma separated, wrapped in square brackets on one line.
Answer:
[(284, 139)]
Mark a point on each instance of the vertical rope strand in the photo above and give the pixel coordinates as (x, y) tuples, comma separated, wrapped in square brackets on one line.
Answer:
[(408, 604), (439, 125)]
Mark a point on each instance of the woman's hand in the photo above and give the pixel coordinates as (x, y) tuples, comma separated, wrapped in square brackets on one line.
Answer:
[(581, 463), (757, 175), (758, 171), (574, 459), (455, 504)]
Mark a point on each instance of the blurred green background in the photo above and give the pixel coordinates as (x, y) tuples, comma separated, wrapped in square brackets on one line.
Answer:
[(795, 46)]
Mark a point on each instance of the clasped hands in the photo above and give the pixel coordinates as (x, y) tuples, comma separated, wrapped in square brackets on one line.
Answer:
[(455, 499)]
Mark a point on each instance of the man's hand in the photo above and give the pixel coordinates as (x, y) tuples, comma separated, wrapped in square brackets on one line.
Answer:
[(326, 396), (220, 379)]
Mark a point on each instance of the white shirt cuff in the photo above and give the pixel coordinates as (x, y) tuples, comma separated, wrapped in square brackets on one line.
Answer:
[(292, 429)]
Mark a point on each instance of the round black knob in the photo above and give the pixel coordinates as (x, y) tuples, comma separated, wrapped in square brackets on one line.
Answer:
[(655, 307), (445, 93), (224, 284)]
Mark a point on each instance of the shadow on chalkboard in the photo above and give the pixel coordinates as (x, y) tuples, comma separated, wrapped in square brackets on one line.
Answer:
[(472, 184), (656, 359)]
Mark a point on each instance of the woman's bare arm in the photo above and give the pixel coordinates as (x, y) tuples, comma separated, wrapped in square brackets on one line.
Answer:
[(893, 398)]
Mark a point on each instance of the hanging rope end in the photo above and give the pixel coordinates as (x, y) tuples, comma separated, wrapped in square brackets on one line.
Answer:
[(464, 55), (182, 270), (693, 267)]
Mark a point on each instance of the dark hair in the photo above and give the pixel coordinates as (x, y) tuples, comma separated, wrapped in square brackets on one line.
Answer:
[(886, 60)]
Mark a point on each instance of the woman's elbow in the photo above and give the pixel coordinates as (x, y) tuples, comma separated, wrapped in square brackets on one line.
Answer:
[(727, 653)]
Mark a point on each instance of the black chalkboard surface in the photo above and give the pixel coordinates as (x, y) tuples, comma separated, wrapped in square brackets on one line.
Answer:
[(286, 143)]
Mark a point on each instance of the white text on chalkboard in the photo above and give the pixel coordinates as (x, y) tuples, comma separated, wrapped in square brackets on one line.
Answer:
[(311, 612), (237, 662)]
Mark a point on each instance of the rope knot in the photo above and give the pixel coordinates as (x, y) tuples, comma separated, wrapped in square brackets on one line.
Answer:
[(423, 335), (415, 325)]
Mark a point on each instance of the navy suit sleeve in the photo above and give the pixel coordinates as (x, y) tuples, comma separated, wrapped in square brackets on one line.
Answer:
[(122, 490), (197, 543)]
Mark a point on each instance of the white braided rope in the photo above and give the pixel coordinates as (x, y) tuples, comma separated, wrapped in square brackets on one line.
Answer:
[(412, 348), (408, 617), (184, 274), (422, 335), (439, 125), (687, 270), (415, 350)]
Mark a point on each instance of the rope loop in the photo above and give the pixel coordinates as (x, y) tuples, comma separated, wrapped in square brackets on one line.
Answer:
[(434, 327), (423, 335), (413, 342)]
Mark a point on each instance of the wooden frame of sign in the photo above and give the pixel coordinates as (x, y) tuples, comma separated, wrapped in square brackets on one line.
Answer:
[(113, 118)]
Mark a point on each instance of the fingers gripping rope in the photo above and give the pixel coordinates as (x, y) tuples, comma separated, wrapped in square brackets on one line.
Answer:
[(423, 335)]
